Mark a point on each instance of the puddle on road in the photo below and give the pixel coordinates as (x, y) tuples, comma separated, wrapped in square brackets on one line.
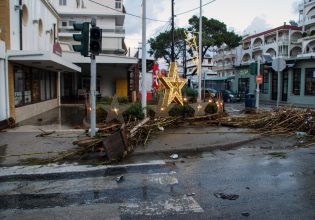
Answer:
[(3, 152), (65, 115)]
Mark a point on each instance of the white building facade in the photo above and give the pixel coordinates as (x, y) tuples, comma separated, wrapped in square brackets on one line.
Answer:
[(110, 18), (112, 65), (32, 66)]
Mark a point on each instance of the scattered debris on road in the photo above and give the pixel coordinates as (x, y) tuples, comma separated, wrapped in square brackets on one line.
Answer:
[(45, 133), (174, 156), (246, 214), (278, 154), (190, 194), (119, 179), (226, 196)]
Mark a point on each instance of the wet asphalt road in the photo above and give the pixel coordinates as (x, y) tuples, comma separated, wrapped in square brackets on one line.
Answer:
[(279, 186)]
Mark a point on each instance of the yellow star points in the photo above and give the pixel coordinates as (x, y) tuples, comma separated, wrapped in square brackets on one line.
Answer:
[(173, 86)]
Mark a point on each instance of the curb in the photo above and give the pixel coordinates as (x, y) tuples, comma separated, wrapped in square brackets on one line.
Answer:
[(198, 149)]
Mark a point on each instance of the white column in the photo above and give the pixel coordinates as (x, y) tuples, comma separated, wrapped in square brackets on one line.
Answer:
[(59, 89)]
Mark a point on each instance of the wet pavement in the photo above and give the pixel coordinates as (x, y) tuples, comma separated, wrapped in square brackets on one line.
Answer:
[(270, 184), (61, 118)]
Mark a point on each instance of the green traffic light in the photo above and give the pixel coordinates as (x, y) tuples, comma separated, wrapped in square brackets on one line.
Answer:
[(83, 48)]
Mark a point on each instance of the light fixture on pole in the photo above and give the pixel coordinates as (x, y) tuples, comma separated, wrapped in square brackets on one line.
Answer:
[(200, 53)]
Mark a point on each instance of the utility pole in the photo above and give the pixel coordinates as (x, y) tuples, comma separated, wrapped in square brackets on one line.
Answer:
[(93, 88), (173, 35), (257, 86), (144, 59), (200, 52)]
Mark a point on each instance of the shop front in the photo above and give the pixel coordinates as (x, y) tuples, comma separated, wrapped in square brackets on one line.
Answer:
[(34, 82)]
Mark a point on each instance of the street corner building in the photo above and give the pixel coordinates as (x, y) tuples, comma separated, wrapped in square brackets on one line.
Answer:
[(31, 59), (39, 70), (293, 43)]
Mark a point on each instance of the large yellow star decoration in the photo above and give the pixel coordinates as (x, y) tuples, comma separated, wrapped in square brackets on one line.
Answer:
[(173, 86)]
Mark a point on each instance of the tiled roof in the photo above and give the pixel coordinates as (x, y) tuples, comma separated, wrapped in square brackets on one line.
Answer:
[(283, 27)]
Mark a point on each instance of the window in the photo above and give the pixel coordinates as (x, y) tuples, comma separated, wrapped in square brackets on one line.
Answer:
[(296, 82), (118, 4), (310, 81), (64, 24), (24, 15), (71, 23), (40, 27), (62, 2), (33, 85)]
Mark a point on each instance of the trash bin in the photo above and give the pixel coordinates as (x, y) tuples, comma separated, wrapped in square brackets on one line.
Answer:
[(250, 100)]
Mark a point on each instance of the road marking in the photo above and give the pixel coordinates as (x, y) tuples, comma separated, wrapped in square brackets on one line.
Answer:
[(163, 178), (182, 205), (90, 211), (65, 168), (83, 184)]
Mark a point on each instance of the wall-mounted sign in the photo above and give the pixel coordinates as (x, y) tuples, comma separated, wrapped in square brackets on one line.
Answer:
[(57, 49), (259, 79)]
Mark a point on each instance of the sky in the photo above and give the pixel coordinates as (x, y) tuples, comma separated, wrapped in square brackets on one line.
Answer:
[(242, 16)]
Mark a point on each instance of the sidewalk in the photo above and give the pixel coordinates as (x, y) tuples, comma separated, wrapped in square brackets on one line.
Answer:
[(186, 140), (25, 143)]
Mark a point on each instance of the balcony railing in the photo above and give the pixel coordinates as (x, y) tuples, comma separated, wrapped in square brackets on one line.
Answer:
[(116, 30), (308, 1)]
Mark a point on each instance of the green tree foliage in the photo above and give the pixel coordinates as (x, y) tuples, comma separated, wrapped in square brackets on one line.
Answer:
[(214, 33), (161, 44)]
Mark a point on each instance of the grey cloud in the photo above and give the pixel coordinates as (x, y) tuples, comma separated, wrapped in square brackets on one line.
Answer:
[(257, 25)]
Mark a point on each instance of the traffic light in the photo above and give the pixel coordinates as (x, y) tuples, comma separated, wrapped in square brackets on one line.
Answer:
[(83, 38), (96, 40)]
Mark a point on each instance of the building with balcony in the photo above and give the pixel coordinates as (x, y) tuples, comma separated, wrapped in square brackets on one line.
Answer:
[(307, 23), (224, 61), (31, 59), (297, 80), (282, 42), (112, 64), (206, 71)]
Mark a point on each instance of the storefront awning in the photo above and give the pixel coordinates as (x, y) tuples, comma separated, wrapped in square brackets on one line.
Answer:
[(101, 59), (42, 60), (221, 78)]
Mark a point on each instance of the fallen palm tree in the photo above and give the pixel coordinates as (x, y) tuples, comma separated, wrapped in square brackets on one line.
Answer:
[(117, 140)]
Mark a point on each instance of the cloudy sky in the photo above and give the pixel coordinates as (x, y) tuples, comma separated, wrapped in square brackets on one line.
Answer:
[(242, 16)]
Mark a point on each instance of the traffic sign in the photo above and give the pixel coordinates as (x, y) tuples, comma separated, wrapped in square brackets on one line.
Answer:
[(278, 64), (259, 79)]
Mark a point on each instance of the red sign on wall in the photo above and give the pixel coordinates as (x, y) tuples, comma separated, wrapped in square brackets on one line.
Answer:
[(57, 49)]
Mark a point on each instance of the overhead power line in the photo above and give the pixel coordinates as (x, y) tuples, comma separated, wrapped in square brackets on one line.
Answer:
[(185, 12), (137, 16), (150, 19)]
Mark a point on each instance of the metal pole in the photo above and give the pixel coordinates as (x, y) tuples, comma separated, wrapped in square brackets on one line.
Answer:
[(200, 52), (257, 88), (184, 60), (93, 90), (173, 35), (278, 92), (144, 61)]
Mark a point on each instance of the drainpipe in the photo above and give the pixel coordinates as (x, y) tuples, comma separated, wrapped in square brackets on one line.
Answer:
[(59, 90), (21, 28), (6, 84)]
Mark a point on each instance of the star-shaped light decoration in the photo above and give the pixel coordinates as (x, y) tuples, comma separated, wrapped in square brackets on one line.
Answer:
[(114, 111), (173, 86)]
